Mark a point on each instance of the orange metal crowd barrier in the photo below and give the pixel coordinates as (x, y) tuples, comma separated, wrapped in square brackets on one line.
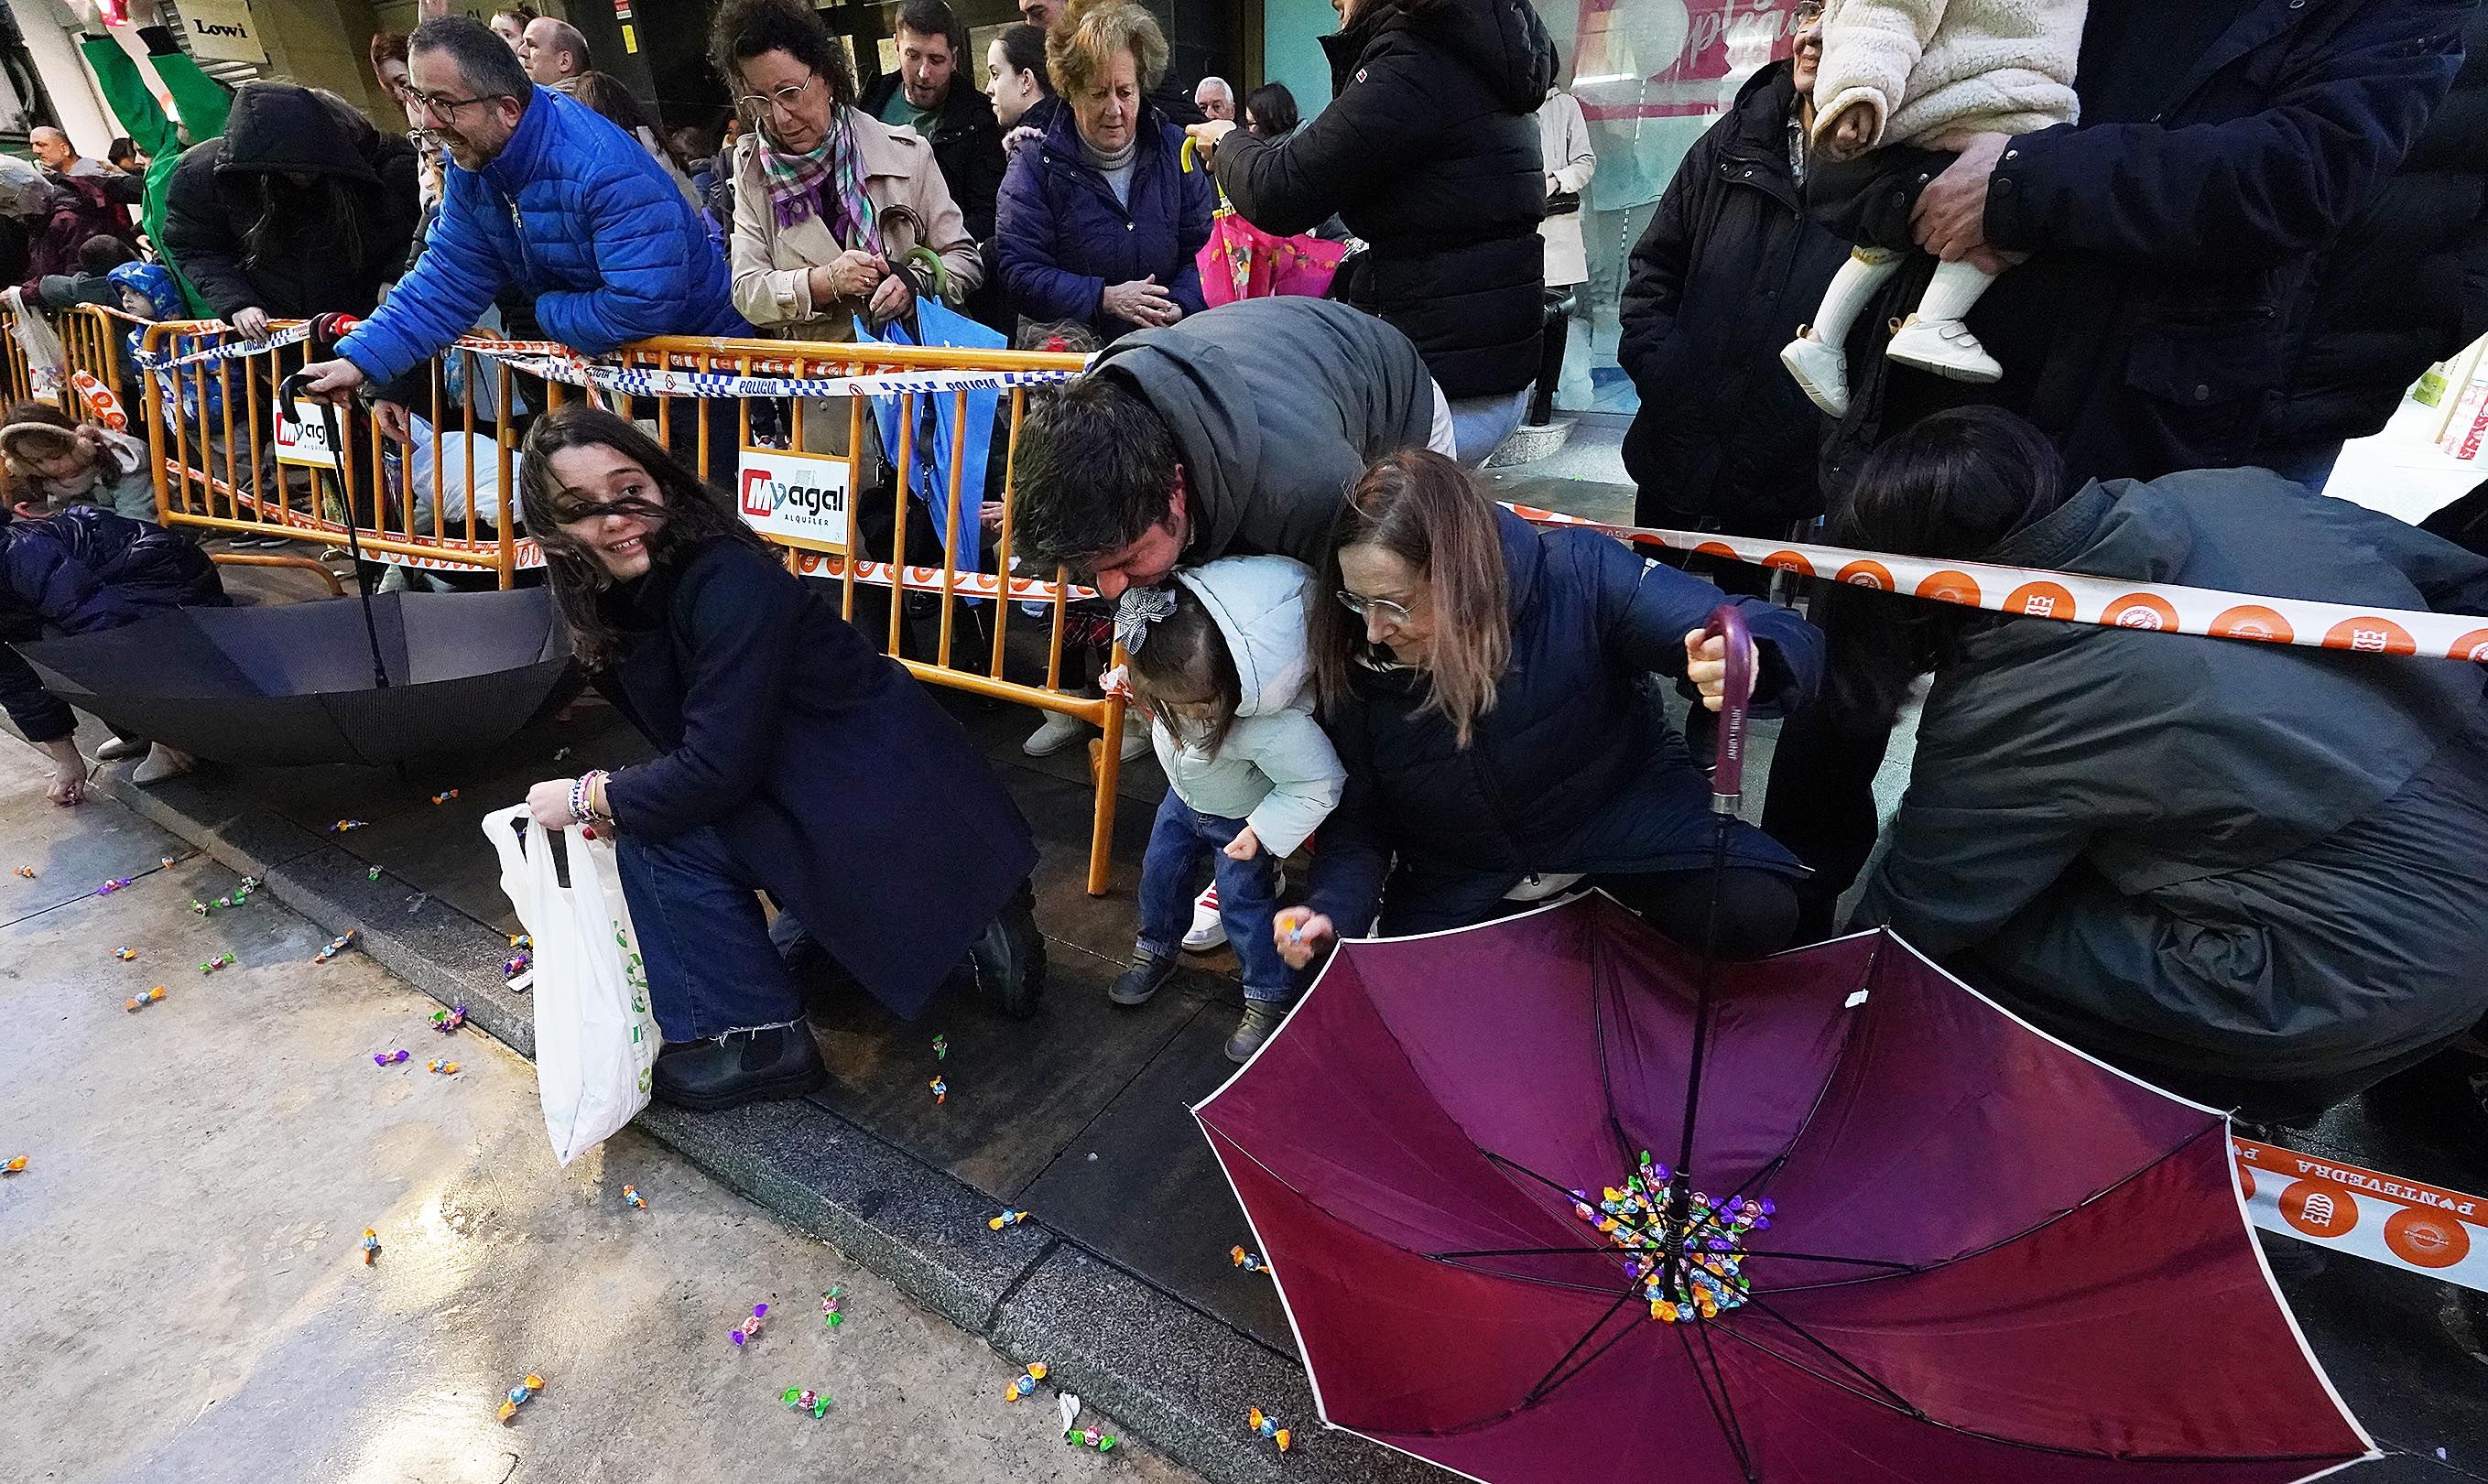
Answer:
[(227, 465)]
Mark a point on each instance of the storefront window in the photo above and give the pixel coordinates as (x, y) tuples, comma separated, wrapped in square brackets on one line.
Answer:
[(1650, 76)]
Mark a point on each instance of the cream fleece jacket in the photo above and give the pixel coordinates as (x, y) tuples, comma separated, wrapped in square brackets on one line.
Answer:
[(1930, 67)]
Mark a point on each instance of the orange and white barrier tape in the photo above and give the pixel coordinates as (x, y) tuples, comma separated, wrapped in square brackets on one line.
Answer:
[(2110, 601), (928, 580), (2401, 1224)]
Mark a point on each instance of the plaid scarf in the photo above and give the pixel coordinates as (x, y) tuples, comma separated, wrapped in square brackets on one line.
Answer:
[(830, 171)]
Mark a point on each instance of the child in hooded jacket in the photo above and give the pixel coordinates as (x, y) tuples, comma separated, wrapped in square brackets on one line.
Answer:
[(54, 462), (1906, 80), (1218, 660)]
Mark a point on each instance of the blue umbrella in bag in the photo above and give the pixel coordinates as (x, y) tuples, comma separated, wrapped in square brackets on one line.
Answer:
[(938, 324)]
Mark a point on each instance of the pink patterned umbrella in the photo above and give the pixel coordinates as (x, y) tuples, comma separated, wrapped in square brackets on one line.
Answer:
[(1918, 1239)]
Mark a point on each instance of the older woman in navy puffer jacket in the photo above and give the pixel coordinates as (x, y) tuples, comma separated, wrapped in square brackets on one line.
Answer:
[(1102, 223)]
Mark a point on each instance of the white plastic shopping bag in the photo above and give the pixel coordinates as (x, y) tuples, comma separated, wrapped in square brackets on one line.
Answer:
[(596, 1039)]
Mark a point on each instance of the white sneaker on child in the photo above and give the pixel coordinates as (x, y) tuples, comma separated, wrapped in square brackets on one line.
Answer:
[(1947, 349), (1822, 372), (1057, 732)]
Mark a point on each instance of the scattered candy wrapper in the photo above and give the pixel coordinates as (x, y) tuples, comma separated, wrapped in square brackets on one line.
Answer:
[(220, 961), (28, 872), (1025, 1383), (142, 1001), (560, 755), (166, 861), (390, 1058), (941, 1048), (1090, 1437), (112, 886), (371, 1246), (941, 1090), (447, 1021), (522, 940), (631, 1197), (1250, 1262), (336, 947), (520, 1395), (342, 826), (1009, 1217), (15, 1166), (125, 955), (833, 1308), (444, 796), (805, 1399), (742, 1333), (515, 963), (444, 1068), (198, 908), (1267, 1426), (372, 874)]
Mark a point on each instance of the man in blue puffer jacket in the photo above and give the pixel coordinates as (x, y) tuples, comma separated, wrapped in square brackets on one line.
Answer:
[(546, 197)]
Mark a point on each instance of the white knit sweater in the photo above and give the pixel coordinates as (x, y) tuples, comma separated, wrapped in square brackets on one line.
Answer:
[(1930, 67)]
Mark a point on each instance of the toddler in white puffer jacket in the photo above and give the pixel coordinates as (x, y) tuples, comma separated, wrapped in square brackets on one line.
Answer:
[(1927, 73)]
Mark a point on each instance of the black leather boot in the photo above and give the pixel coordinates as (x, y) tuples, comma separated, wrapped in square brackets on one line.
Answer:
[(1008, 961), (752, 1066)]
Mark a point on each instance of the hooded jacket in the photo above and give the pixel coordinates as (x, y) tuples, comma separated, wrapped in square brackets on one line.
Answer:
[(1428, 151), (1275, 771), (276, 130), (1276, 406), (201, 101), (571, 215), (2233, 852), (81, 570)]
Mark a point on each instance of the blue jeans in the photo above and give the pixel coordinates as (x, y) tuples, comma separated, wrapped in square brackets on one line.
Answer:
[(703, 937), (1248, 894)]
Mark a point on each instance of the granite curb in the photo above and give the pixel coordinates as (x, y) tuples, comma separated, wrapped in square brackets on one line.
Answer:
[(1143, 1360)]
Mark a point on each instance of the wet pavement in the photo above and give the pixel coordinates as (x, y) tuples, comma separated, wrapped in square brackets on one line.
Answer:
[(187, 1298)]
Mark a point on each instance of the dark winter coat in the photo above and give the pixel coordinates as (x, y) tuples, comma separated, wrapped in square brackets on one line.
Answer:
[(2407, 283), (1573, 770), (1061, 238), (967, 143), (276, 130), (79, 572), (2173, 239), (1428, 151), (812, 755), (2238, 858), (1276, 406), (1726, 269), (80, 210), (572, 213)]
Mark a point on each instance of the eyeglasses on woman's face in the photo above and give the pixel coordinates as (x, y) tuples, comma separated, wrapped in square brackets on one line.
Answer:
[(1383, 607), (760, 107)]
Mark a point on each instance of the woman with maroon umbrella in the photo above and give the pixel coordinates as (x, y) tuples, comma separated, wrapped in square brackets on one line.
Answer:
[(1484, 682)]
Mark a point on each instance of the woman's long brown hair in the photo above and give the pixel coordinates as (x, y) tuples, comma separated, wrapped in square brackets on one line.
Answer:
[(692, 513), (1421, 508)]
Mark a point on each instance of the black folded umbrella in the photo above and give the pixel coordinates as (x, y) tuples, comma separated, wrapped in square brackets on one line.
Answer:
[(295, 683)]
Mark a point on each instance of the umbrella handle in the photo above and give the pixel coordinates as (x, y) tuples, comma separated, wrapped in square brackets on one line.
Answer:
[(286, 393), (1728, 773)]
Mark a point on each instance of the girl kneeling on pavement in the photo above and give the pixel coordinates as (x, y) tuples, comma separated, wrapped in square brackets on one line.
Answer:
[(1219, 664), (1487, 685), (797, 761)]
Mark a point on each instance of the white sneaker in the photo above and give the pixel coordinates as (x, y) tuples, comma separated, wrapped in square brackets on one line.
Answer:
[(159, 764), (1944, 347), (1208, 931), (1057, 731), (1822, 372), (1136, 733)]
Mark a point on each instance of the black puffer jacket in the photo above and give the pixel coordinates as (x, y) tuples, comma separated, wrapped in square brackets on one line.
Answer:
[(1728, 268), (1428, 151), (295, 142), (79, 572), (2407, 283)]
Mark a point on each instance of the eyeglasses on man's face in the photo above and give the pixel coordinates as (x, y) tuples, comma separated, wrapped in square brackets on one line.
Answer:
[(757, 107), (440, 105)]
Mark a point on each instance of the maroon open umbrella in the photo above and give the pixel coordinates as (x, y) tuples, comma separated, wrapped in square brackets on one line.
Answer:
[(1915, 1239)]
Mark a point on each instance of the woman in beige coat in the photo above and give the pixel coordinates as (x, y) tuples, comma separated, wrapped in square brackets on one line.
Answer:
[(828, 202)]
